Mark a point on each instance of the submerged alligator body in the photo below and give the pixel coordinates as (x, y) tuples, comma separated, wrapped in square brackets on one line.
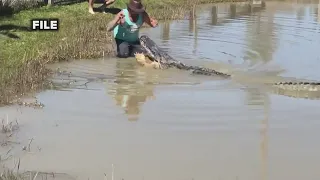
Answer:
[(164, 61)]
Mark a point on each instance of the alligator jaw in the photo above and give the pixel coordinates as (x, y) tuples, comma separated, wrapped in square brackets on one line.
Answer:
[(154, 52), (145, 43), (150, 49)]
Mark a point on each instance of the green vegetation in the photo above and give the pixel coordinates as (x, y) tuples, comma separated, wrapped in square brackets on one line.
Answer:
[(24, 54), (7, 7), (9, 175)]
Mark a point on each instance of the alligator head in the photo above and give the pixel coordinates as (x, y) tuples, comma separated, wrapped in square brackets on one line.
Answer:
[(154, 52)]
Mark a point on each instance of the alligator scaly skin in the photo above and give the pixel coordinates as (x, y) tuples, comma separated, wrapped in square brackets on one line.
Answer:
[(155, 53), (198, 70), (298, 86)]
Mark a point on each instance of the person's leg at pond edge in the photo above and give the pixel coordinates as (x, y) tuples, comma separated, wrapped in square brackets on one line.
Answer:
[(122, 48)]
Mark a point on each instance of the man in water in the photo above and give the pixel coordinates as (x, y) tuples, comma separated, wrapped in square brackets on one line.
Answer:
[(105, 4), (126, 25)]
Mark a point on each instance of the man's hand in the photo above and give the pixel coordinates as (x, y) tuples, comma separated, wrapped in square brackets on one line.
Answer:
[(120, 18), (154, 22)]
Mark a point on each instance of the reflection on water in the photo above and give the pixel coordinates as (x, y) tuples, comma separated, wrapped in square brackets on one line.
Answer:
[(130, 89), (264, 138), (300, 13), (260, 101), (214, 15), (225, 13), (318, 12), (194, 127), (262, 39), (165, 31), (193, 28), (264, 148), (233, 11)]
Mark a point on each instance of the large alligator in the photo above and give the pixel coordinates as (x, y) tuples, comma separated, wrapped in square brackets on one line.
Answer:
[(165, 61), (162, 60)]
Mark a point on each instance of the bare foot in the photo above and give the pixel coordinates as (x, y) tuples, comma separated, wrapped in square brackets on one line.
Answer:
[(91, 11)]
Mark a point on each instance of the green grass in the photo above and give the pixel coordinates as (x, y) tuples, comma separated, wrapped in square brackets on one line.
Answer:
[(81, 35), (9, 175)]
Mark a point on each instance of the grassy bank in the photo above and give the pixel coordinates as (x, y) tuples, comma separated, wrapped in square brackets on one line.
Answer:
[(24, 54), (7, 7)]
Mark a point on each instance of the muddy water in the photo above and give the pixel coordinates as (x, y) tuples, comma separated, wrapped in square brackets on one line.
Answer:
[(148, 124)]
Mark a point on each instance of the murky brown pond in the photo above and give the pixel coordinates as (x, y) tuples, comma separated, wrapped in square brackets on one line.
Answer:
[(172, 125)]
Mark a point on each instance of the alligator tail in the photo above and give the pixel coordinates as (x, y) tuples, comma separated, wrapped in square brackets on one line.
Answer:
[(298, 86)]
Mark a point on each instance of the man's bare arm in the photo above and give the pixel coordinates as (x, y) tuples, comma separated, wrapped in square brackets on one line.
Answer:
[(112, 24), (147, 19)]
